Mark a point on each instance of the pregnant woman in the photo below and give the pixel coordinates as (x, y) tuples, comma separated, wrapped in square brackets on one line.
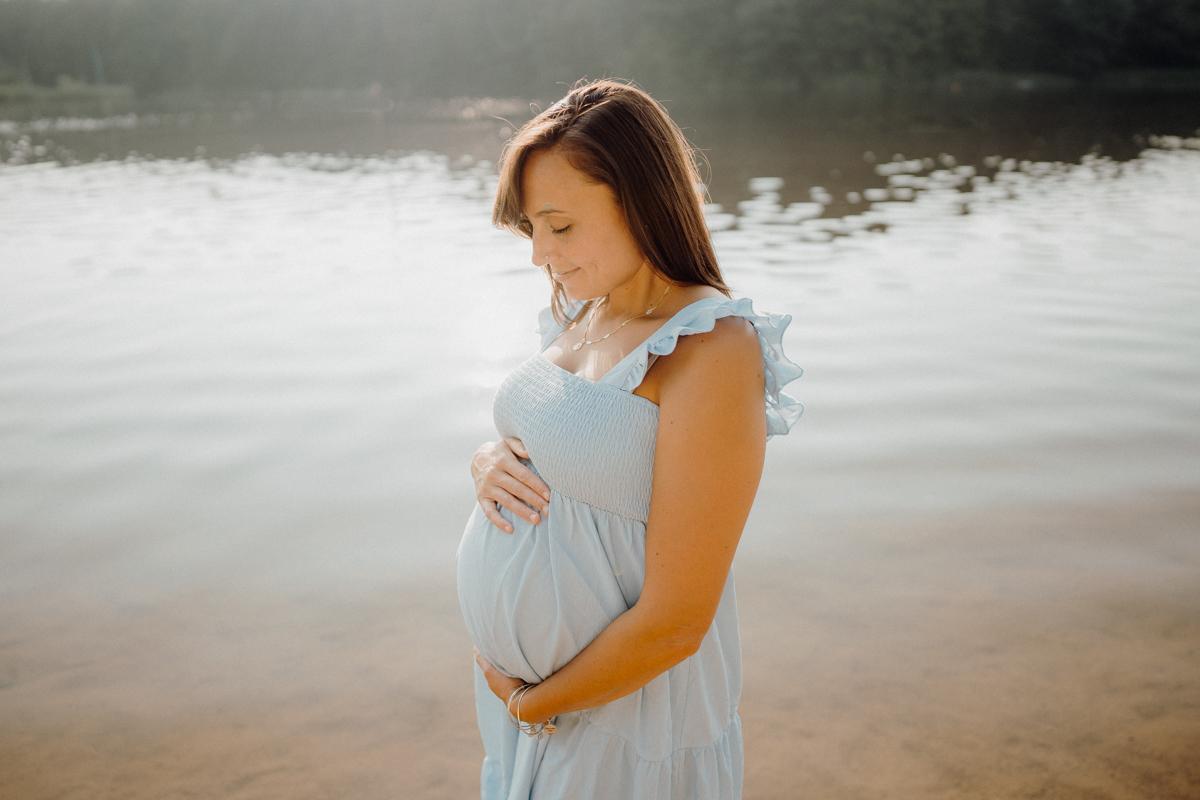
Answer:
[(594, 572)]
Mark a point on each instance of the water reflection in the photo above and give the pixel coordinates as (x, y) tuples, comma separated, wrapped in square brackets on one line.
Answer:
[(305, 258), (252, 315), (238, 388)]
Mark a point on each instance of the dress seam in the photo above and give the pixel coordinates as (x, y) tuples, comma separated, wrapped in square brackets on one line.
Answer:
[(598, 507), (724, 735), (687, 693)]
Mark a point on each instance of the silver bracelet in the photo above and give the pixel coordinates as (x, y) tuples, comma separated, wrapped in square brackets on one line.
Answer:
[(529, 729), (510, 697)]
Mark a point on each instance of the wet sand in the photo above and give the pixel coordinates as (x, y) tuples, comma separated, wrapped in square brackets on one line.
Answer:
[(1002, 653)]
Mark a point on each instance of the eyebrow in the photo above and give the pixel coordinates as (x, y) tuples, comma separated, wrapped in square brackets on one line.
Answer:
[(544, 212)]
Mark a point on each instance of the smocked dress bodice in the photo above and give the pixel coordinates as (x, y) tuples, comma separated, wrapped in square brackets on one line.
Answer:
[(534, 598)]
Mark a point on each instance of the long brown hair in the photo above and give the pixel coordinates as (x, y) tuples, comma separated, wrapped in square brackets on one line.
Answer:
[(618, 135)]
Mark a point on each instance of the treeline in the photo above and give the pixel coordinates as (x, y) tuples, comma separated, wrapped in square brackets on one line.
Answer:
[(450, 47)]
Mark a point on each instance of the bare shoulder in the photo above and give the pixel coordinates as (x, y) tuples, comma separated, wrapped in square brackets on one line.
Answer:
[(724, 361)]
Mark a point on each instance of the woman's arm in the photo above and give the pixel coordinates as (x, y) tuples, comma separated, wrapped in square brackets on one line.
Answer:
[(708, 461)]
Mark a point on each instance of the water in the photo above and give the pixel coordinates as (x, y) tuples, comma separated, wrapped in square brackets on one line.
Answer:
[(281, 362), (260, 372)]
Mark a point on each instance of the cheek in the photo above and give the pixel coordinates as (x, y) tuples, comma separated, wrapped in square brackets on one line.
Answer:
[(623, 247), (580, 251), (600, 252)]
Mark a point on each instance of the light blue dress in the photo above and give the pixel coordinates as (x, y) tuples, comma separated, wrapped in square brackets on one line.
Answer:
[(534, 598)]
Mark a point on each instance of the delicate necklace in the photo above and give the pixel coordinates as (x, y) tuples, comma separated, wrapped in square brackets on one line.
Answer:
[(592, 316)]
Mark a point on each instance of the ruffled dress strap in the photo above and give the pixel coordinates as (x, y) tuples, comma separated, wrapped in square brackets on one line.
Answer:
[(701, 317)]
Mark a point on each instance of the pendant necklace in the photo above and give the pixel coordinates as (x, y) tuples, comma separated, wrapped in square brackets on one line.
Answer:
[(592, 316)]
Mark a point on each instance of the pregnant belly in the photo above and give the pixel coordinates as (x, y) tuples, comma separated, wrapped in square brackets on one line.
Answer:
[(533, 598)]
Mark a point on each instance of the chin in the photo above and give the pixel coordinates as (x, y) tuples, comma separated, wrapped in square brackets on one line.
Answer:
[(576, 293)]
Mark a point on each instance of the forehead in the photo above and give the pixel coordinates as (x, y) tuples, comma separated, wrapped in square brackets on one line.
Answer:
[(549, 181)]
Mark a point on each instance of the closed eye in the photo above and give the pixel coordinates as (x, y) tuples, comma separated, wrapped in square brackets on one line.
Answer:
[(561, 230)]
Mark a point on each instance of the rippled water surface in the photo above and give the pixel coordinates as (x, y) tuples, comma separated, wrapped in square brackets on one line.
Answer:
[(236, 370), (279, 363)]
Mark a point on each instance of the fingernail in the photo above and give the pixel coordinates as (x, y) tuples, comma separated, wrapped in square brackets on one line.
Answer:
[(533, 517)]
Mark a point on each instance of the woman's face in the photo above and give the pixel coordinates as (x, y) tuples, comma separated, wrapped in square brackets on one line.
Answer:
[(578, 228)]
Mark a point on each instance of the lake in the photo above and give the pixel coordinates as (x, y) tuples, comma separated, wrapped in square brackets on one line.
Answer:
[(245, 360)]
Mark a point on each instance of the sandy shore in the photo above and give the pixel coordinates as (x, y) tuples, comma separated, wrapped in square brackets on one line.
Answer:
[(1000, 653)]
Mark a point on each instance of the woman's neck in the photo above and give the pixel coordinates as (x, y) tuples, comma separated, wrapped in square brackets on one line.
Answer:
[(645, 290)]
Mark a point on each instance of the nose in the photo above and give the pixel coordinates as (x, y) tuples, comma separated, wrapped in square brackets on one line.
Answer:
[(541, 254)]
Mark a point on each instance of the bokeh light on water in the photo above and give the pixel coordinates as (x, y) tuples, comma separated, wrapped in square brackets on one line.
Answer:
[(243, 366), (272, 366)]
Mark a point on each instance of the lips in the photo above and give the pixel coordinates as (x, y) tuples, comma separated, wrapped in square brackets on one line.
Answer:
[(558, 276)]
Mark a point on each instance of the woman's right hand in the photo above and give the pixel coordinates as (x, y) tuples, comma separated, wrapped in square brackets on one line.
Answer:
[(501, 478)]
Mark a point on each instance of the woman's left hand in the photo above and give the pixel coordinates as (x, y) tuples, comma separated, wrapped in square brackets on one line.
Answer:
[(501, 685)]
